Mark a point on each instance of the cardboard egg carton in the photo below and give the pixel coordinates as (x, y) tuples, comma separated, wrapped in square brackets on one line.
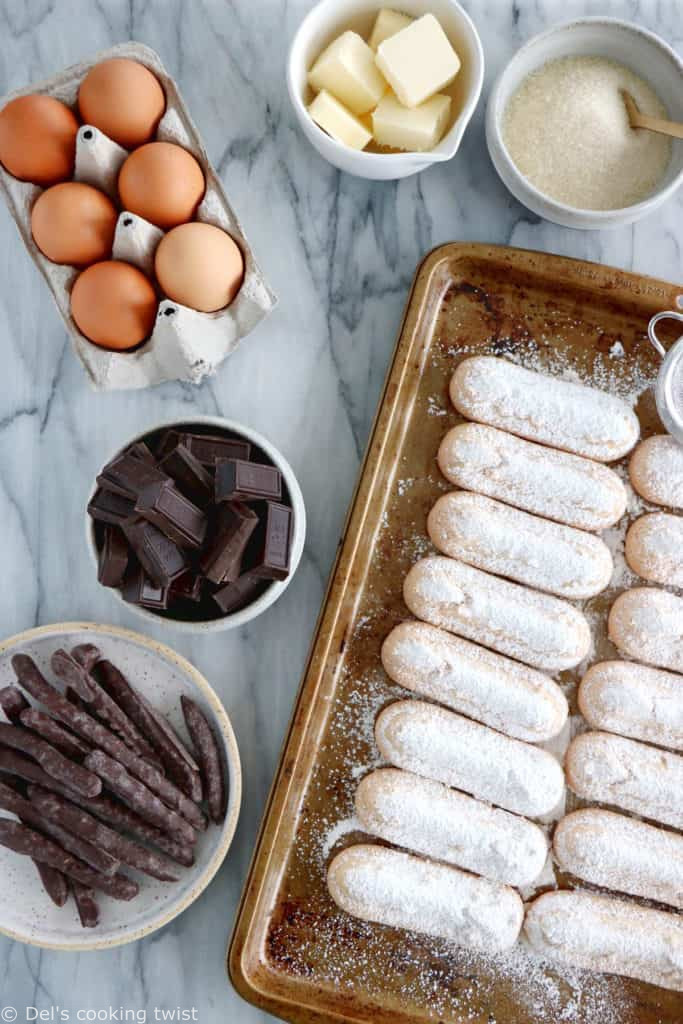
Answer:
[(185, 344)]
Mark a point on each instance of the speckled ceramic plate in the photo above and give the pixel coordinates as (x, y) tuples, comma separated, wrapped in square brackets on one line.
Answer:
[(26, 913)]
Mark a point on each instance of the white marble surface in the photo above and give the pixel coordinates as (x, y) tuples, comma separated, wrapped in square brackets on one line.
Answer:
[(340, 253)]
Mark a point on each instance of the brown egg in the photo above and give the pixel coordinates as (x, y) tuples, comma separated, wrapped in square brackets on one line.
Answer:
[(123, 99), (38, 139), (114, 305), (163, 183), (73, 223), (199, 266)]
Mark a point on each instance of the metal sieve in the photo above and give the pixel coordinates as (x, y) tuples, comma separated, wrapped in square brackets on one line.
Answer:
[(669, 386)]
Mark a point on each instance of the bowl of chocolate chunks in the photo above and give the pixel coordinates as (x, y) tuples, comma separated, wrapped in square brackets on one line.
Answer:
[(200, 523)]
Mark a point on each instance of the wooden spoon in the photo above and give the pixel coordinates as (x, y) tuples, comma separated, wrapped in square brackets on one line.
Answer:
[(653, 124)]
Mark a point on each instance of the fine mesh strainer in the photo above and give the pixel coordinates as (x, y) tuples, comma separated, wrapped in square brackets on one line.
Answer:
[(669, 386)]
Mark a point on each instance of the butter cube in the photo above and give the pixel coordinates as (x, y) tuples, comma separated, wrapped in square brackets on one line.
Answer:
[(387, 23), (418, 61), (347, 69), (335, 119), (416, 129)]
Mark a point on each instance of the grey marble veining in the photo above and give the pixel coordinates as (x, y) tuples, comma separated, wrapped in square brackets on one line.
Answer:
[(340, 253)]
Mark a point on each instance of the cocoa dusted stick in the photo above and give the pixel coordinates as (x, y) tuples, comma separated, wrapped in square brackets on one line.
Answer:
[(54, 883), (78, 821), (13, 702), (137, 795), (103, 807), (99, 860), (79, 721), (208, 751), (178, 762), (87, 655), (54, 763), (71, 672), (32, 844), (86, 904), (62, 740)]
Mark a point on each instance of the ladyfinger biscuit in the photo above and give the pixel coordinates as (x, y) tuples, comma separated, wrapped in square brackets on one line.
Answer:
[(654, 548), (656, 471), (620, 853), (647, 623), (634, 700), (429, 818), (497, 691), (567, 488), (535, 628), (599, 933), (396, 889), (438, 744), (555, 412), (505, 541), (633, 776)]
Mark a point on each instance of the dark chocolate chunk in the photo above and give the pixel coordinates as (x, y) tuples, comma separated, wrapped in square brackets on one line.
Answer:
[(138, 588), (162, 560), (269, 552), (139, 450), (107, 507), (189, 475), (221, 563), (188, 586), (234, 596), (128, 475), (237, 480), (166, 443), (207, 448), (171, 512), (113, 557)]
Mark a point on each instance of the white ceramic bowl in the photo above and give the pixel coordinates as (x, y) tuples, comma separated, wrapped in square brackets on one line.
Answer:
[(26, 913), (641, 51), (277, 587), (329, 19)]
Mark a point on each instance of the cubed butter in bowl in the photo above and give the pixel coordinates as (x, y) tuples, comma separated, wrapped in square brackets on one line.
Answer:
[(383, 92), (418, 61), (417, 129), (387, 23), (338, 121), (348, 71)]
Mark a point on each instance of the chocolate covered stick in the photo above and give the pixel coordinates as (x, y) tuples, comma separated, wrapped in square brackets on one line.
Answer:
[(62, 740), (13, 702), (57, 809), (86, 904), (54, 763), (180, 765), (135, 793), (32, 844), (103, 807), (87, 655), (13, 802), (80, 722), (54, 883), (213, 774), (71, 672)]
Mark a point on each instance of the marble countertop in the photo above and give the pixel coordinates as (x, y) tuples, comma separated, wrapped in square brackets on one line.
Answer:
[(340, 253)]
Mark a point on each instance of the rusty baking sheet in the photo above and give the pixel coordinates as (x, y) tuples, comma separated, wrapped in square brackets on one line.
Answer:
[(293, 952)]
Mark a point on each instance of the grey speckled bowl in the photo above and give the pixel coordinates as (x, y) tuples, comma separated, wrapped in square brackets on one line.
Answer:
[(26, 913)]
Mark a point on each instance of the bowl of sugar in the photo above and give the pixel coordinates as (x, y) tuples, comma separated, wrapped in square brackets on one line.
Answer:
[(558, 132)]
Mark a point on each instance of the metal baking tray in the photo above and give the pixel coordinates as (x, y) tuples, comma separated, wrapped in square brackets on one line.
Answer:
[(293, 953)]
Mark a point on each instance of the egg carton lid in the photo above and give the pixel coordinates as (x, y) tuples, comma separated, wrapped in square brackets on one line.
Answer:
[(184, 344)]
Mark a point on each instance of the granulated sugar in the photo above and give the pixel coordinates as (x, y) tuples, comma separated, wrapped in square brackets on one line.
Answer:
[(567, 130)]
